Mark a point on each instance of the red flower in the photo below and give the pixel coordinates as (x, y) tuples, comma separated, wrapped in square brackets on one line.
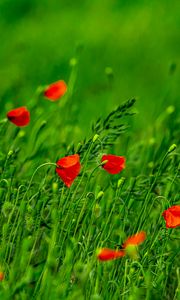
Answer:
[(55, 90), (114, 164), (135, 239), (19, 116), (105, 254), (172, 216), (68, 168)]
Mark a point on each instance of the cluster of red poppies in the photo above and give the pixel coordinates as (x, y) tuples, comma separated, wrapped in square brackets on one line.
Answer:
[(68, 168)]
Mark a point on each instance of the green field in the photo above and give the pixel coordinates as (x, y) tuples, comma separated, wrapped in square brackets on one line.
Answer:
[(120, 60)]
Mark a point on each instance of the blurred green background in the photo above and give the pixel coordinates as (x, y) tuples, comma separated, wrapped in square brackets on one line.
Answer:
[(138, 39)]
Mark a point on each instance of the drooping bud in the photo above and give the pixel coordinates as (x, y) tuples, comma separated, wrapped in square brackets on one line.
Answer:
[(172, 148), (10, 153), (100, 195)]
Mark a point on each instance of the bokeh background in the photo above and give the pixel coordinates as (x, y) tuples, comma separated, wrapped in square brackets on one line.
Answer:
[(139, 41)]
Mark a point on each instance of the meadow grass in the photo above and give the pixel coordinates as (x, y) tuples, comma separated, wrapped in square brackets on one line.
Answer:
[(50, 233)]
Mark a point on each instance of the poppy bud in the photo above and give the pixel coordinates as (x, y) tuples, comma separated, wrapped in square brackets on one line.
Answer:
[(172, 148), (54, 187), (21, 134), (100, 195), (10, 153)]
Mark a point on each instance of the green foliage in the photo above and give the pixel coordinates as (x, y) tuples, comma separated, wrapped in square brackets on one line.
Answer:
[(106, 131), (49, 234)]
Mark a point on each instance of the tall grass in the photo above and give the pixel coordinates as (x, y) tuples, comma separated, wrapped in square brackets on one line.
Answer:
[(50, 234)]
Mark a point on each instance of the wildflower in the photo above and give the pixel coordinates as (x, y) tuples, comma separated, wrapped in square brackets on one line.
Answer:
[(105, 254), (129, 247), (68, 168), (114, 165), (172, 216), (55, 90), (19, 116)]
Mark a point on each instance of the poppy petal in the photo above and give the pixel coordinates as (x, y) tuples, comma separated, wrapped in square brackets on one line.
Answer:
[(55, 90), (115, 164), (172, 216), (106, 254), (19, 116), (135, 239), (68, 168)]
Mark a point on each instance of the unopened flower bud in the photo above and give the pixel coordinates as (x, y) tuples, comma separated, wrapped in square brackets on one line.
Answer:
[(10, 153), (54, 187), (120, 182), (100, 195), (172, 148), (21, 133)]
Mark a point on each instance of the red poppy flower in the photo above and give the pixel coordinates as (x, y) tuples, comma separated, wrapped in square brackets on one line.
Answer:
[(55, 90), (135, 239), (114, 164), (105, 254), (68, 168), (19, 116), (172, 216)]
